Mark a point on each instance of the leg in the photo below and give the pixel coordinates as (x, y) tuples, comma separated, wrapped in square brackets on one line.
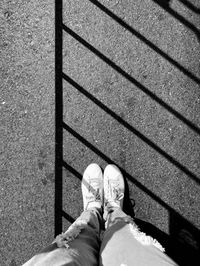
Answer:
[(123, 243), (80, 244)]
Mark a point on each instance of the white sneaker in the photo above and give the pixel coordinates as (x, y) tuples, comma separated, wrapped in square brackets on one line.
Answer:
[(113, 187), (92, 187)]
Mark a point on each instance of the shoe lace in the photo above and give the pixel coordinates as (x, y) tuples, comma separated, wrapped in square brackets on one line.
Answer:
[(118, 194), (115, 194), (95, 194)]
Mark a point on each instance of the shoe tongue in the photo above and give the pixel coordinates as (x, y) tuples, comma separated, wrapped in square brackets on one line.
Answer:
[(116, 194), (94, 184)]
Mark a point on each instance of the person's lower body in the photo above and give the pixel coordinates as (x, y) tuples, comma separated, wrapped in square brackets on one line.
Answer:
[(122, 244)]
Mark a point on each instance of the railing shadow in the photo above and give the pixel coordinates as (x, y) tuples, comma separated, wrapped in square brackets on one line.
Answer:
[(129, 127), (58, 116), (132, 80), (190, 6), (165, 4), (145, 40), (182, 232)]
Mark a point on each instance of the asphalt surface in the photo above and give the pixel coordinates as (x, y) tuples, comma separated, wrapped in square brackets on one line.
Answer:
[(130, 97)]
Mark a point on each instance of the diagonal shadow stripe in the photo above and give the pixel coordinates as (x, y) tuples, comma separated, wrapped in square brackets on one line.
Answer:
[(72, 170), (145, 40), (190, 6), (126, 174), (68, 217), (79, 176), (132, 129), (167, 8), (132, 80)]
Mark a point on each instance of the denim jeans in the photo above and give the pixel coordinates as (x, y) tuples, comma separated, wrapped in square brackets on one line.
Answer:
[(83, 244)]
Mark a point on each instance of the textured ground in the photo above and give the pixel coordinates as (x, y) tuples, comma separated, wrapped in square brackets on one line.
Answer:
[(132, 98)]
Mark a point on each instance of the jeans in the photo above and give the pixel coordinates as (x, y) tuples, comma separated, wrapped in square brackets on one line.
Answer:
[(121, 244)]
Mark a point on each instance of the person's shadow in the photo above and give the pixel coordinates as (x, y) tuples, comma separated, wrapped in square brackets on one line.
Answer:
[(182, 252)]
